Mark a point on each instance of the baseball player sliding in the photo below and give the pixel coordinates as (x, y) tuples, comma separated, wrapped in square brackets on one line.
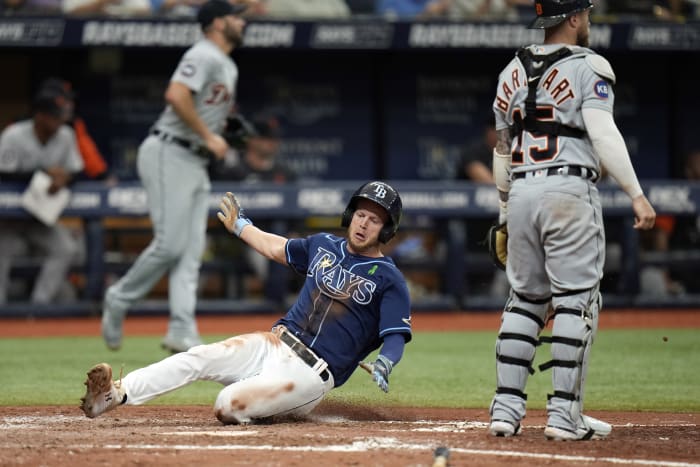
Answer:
[(353, 301), (554, 119)]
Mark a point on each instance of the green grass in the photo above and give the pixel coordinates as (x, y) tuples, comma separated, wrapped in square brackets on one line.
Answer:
[(629, 370)]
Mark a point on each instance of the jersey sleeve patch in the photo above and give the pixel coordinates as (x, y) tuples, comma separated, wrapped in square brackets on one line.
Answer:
[(188, 69), (601, 66), (600, 88)]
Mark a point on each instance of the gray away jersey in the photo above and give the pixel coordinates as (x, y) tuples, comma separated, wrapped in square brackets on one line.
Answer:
[(212, 76), (568, 86), (21, 151)]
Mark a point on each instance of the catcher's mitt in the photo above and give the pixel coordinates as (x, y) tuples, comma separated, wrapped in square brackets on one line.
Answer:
[(497, 244), (238, 130)]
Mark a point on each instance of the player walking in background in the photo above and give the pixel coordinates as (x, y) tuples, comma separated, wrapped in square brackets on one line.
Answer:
[(554, 119), (353, 301), (172, 165)]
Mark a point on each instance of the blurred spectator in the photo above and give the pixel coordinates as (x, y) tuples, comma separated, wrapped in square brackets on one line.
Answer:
[(189, 8), (678, 9), (475, 160), (95, 166), (656, 280), (661, 9), (361, 7), (31, 7), (451, 9), (478, 9), (260, 159), (115, 8), (309, 9), (259, 162), (175, 8), (42, 143), (403, 9), (686, 233), (672, 233), (475, 165)]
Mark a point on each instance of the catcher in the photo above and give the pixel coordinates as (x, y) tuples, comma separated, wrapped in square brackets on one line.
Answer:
[(555, 130), (353, 301)]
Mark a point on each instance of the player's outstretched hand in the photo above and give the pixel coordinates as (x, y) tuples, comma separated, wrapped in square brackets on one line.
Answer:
[(379, 370), (644, 214), (231, 214)]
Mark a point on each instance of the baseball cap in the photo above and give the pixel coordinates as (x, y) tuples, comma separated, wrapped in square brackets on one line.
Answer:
[(267, 127), (58, 86), (53, 102), (213, 9), (552, 12)]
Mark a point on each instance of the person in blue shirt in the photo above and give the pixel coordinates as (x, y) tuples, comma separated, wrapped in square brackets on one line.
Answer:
[(354, 300)]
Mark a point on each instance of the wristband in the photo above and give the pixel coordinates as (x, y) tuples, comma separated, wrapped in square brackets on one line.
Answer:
[(386, 362), (240, 224)]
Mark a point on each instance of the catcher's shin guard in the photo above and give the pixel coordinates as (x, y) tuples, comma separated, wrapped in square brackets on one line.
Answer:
[(572, 336), (515, 350)]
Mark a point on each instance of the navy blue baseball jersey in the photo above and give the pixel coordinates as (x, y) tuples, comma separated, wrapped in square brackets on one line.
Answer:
[(348, 304)]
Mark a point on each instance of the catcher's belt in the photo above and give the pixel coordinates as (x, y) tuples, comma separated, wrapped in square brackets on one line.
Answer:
[(306, 355), (575, 170), (198, 149)]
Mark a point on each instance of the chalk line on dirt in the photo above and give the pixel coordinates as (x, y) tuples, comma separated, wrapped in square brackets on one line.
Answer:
[(388, 443)]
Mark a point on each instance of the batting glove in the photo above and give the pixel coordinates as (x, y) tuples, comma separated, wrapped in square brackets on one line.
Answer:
[(231, 215), (379, 370)]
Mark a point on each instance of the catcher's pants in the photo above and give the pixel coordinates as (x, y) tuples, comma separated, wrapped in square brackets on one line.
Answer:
[(262, 375), (556, 252)]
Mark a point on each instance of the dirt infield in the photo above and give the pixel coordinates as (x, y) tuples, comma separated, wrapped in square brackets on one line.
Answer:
[(334, 435)]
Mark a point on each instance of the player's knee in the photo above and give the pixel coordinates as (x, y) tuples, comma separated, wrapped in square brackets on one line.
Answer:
[(520, 321), (230, 410), (571, 326)]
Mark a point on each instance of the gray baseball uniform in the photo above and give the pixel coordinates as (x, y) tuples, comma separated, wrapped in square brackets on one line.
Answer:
[(556, 245), (172, 165), (570, 85), (22, 152)]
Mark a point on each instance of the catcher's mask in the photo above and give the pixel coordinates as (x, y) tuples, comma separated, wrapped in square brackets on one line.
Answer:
[(552, 12), (385, 196)]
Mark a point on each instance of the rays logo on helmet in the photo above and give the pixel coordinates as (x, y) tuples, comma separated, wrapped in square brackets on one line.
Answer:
[(601, 89), (380, 190)]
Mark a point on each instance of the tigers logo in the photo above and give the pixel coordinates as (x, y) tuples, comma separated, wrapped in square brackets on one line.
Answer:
[(538, 9), (188, 69)]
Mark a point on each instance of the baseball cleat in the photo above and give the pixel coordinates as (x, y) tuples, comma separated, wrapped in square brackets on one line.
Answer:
[(504, 428), (112, 324), (180, 344), (102, 393), (588, 428)]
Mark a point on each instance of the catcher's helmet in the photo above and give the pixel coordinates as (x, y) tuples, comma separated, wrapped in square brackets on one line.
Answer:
[(552, 12), (385, 196)]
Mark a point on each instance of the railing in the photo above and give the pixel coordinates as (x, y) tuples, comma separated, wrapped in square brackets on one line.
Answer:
[(451, 205)]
